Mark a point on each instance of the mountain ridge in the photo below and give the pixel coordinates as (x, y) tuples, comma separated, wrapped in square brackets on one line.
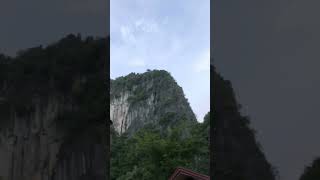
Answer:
[(52, 115), (237, 153), (156, 92)]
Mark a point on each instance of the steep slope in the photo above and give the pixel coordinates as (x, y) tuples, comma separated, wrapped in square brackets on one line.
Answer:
[(312, 171), (152, 98), (154, 129), (53, 117), (237, 155)]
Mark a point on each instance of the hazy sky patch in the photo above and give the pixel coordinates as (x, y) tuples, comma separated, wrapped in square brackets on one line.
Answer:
[(163, 34)]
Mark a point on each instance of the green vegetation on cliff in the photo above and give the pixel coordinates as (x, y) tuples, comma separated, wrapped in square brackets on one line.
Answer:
[(143, 85), (162, 132), (237, 153), (72, 70), (151, 97), (53, 108), (150, 154), (312, 172)]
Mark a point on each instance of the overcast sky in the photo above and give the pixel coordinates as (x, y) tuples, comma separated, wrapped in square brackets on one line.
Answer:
[(26, 24), (168, 35), (270, 52)]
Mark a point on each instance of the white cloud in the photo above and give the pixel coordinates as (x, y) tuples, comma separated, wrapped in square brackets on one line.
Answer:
[(139, 22), (156, 36), (203, 63), (127, 34), (137, 63), (165, 20), (146, 25), (131, 32)]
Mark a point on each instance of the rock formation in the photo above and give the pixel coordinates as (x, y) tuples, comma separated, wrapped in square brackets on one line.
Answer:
[(236, 153), (51, 128), (154, 129), (151, 98), (311, 171)]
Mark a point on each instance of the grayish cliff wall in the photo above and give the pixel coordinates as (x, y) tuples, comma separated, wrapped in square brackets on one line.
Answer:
[(53, 118), (37, 149), (123, 114), (150, 98)]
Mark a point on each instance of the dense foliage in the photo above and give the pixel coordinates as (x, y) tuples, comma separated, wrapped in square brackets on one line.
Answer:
[(153, 96), (237, 153), (142, 85), (56, 97), (72, 70), (312, 172), (150, 154)]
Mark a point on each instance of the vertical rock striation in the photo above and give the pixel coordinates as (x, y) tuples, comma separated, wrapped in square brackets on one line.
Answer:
[(52, 112), (151, 98)]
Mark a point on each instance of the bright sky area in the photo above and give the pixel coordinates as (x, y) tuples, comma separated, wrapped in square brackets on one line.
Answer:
[(163, 34)]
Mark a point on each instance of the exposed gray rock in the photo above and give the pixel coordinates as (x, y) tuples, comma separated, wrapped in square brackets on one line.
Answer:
[(53, 124), (37, 149), (150, 98)]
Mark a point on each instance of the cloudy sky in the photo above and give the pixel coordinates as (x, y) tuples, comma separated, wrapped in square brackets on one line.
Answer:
[(270, 52), (168, 35), (31, 23)]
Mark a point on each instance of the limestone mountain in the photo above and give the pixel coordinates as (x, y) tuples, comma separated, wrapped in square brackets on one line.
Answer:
[(151, 98), (237, 154), (53, 111), (154, 128)]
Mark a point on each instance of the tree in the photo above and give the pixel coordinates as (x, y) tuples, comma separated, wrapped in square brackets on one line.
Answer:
[(150, 154), (312, 172)]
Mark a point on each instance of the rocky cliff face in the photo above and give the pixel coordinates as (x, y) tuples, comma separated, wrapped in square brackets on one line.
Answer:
[(154, 129), (151, 98), (312, 171), (49, 129), (237, 155), (38, 149)]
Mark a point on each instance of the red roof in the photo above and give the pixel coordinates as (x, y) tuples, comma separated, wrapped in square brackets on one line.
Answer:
[(183, 173)]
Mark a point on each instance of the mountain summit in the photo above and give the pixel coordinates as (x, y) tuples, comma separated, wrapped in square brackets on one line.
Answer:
[(151, 98), (154, 129)]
